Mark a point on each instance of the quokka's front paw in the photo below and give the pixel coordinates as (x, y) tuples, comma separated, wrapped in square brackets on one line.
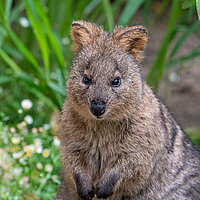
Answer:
[(84, 186), (105, 188)]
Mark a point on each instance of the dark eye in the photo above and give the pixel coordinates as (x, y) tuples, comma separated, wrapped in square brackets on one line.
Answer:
[(86, 80), (116, 82)]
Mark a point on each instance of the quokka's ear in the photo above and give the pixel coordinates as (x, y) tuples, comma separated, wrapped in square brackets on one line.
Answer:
[(84, 33), (131, 39)]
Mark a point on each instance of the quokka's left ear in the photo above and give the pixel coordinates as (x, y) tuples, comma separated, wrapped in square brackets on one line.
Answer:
[(131, 39)]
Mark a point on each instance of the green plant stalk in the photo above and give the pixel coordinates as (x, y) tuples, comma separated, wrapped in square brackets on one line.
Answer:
[(38, 29), (180, 41), (146, 12), (109, 14), (157, 68), (2, 12), (27, 54), (49, 34), (198, 8), (52, 102), (194, 53), (8, 6), (10, 62), (130, 9), (67, 18)]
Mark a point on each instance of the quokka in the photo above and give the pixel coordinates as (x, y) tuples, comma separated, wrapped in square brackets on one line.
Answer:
[(118, 140)]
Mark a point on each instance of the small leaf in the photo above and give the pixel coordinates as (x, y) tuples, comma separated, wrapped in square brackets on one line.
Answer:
[(188, 4)]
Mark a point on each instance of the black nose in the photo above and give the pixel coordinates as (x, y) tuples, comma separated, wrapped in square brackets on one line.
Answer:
[(98, 107)]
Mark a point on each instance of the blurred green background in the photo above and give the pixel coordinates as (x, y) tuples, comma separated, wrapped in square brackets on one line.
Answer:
[(35, 59)]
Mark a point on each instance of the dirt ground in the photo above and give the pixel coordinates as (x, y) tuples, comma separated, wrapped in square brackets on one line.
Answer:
[(183, 96)]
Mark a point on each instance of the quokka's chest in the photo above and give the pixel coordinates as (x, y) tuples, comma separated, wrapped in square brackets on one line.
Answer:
[(101, 153)]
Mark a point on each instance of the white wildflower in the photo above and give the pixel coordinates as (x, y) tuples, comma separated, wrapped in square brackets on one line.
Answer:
[(5, 140), (48, 168), (38, 149), (46, 126), (22, 161), (28, 119), (41, 129), (46, 153), (65, 41), (56, 141), (15, 140), (24, 180), (20, 111), (12, 130), (17, 155), (29, 149), (39, 165), (54, 75), (36, 81), (34, 130), (37, 141), (173, 77), (17, 171), (26, 104), (24, 22)]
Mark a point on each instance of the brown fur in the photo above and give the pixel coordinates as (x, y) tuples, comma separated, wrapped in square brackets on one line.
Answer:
[(135, 150)]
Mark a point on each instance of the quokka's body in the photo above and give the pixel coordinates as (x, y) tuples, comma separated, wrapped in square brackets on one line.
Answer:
[(118, 141)]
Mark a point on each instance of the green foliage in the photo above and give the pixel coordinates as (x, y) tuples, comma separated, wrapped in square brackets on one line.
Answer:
[(190, 3), (30, 166), (158, 66), (178, 20)]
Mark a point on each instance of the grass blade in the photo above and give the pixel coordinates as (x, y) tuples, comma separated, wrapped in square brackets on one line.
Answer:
[(8, 5), (109, 16), (22, 48), (37, 91), (16, 12), (39, 32), (56, 88), (56, 48), (12, 51), (10, 62), (32, 87), (156, 71), (67, 18), (91, 7), (194, 53), (131, 7), (198, 8), (185, 35), (2, 35)]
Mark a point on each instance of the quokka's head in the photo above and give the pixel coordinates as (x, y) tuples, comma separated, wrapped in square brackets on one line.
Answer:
[(105, 80)]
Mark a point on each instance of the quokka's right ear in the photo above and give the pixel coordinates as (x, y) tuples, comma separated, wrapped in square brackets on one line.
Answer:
[(84, 33)]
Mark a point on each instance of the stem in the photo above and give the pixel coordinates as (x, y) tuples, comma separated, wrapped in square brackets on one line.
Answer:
[(157, 68)]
